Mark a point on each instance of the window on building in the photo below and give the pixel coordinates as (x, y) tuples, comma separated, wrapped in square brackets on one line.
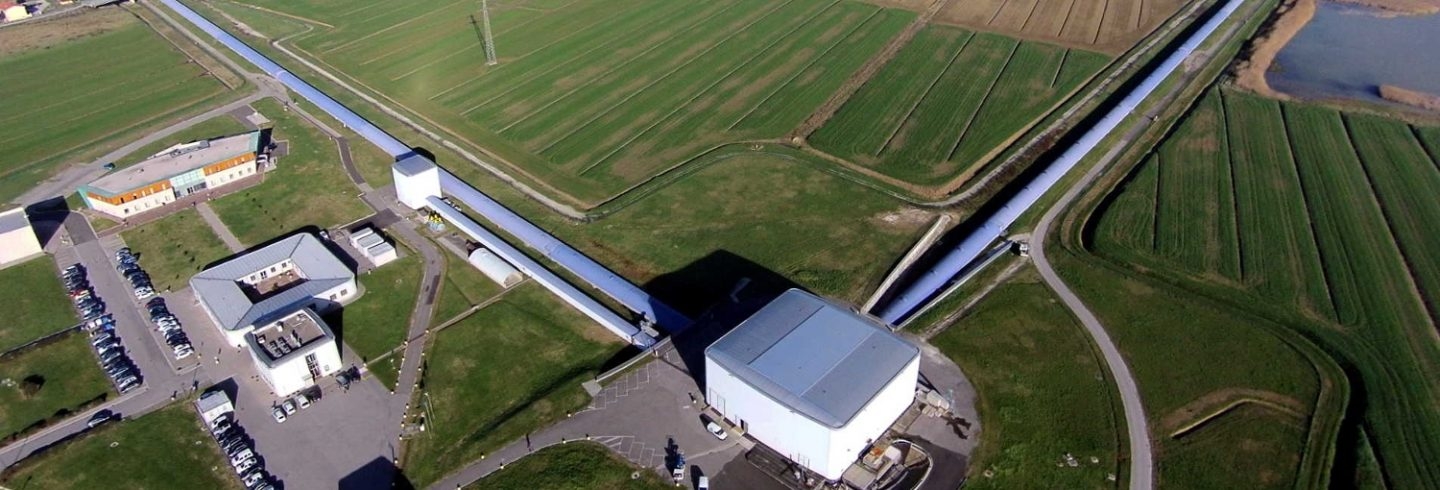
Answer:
[(344, 292)]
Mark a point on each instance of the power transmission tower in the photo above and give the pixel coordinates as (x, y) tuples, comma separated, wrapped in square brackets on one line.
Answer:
[(490, 58)]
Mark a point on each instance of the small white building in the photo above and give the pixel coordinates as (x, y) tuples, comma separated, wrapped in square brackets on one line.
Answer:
[(376, 249), (213, 404), (267, 302), (292, 353), (812, 380), (495, 268), (17, 238)]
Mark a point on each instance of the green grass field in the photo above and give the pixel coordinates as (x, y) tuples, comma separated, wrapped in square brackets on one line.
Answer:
[(308, 188), (1313, 217), (1027, 356), (164, 449), (35, 302), (594, 97), (224, 125), (512, 367), (90, 93), (376, 323), (463, 287), (66, 372), (578, 466), (950, 101), (175, 248)]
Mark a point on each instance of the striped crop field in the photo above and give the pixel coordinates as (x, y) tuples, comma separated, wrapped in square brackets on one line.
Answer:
[(1109, 26), (1319, 217), (951, 100), (594, 97), (85, 92)]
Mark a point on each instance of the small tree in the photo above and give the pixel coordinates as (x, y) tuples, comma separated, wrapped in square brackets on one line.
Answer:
[(31, 385)]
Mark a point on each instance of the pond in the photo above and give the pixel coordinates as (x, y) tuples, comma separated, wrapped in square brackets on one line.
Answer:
[(1348, 52)]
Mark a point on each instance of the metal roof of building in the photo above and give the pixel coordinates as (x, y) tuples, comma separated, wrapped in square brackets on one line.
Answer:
[(813, 356), (170, 163), (14, 219), (218, 287)]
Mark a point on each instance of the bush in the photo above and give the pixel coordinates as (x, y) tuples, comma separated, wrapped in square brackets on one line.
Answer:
[(31, 385)]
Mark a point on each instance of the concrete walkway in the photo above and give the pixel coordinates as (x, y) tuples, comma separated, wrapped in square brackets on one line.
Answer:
[(219, 227)]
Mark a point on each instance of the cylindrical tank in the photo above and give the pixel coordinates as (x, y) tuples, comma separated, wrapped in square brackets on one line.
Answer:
[(495, 268)]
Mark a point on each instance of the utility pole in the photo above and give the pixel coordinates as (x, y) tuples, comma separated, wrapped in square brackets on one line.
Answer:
[(490, 59)]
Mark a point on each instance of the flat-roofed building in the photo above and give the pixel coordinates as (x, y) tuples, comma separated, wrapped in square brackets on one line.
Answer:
[(373, 246), (174, 173), (12, 11), (293, 352), (814, 381), (17, 238)]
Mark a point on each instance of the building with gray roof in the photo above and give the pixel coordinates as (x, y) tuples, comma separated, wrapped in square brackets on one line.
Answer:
[(272, 282), (811, 379)]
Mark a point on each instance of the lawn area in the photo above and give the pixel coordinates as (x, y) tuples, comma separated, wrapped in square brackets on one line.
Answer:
[(60, 375), (1027, 356), (308, 188), (35, 302), (1315, 218), (591, 98), (950, 101), (222, 125), (163, 449), (510, 368), (376, 323), (464, 287), (175, 248), (92, 81), (578, 466)]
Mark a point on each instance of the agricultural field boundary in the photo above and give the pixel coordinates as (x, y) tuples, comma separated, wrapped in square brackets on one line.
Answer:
[(1072, 234), (1213, 409)]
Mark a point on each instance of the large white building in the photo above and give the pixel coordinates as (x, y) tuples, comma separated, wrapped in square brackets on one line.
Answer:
[(174, 173), (17, 238), (812, 380), (268, 301)]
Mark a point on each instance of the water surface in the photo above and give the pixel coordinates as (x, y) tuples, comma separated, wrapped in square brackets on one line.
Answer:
[(1348, 52)]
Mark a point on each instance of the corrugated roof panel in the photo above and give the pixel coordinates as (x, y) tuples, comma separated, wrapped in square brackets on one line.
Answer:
[(816, 358), (822, 341)]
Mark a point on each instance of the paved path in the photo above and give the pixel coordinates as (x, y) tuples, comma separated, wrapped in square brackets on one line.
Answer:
[(219, 227), (419, 317)]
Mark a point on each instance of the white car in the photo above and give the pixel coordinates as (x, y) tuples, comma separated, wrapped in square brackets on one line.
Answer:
[(303, 401), (241, 456), (279, 415), (716, 430), (289, 406)]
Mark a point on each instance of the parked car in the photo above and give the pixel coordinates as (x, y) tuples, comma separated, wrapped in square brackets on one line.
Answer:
[(279, 415), (252, 478), (303, 401), (128, 387), (242, 456), (100, 338), (108, 356), (100, 418), (716, 430), (245, 465), (289, 406)]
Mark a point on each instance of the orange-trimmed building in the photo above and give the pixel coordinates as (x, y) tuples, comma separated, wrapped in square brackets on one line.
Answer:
[(174, 173)]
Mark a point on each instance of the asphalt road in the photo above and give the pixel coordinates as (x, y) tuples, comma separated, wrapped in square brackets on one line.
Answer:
[(1142, 465)]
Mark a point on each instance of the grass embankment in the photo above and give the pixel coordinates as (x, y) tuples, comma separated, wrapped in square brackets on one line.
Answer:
[(592, 98), (175, 248), (578, 466), (463, 288), (1314, 218), (1043, 391), (37, 383), (35, 302), (215, 127), (307, 188), (163, 449), (510, 368), (949, 101), (89, 82), (376, 323)]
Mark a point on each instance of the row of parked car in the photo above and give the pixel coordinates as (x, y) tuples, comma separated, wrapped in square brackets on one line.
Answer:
[(237, 446), (169, 326), (101, 327), (165, 322), (288, 406)]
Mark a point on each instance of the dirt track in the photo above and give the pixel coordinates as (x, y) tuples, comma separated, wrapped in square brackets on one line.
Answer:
[(1289, 18)]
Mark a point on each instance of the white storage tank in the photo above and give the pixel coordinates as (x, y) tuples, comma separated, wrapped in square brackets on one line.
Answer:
[(495, 268)]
